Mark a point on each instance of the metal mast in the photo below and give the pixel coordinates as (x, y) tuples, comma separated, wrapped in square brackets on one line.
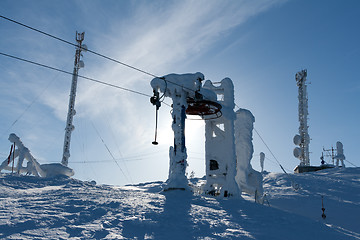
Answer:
[(71, 111), (303, 139)]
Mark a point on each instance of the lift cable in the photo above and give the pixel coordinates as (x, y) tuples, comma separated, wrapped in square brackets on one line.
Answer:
[(28, 107), (96, 53), (31, 103), (350, 163), (270, 150), (70, 73), (118, 147), (73, 44), (110, 152), (294, 185)]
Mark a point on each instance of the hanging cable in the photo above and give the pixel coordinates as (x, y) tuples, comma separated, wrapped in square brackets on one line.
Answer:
[(269, 150), (293, 183), (70, 43), (110, 152), (32, 103), (351, 163), (117, 145), (88, 78), (96, 53), (70, 73)]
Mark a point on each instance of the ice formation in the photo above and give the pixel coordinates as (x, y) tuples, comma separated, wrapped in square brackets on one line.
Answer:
[(220, 155), (32, 167), (340, 154), (262, 159), (179, 88), (247, 178), (228, 150)]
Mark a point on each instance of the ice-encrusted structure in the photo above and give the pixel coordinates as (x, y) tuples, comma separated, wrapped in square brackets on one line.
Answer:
[(220, 154), (228, 149), (179, 87), (302, 139), (33, 167), (247, 178), (339, 154)]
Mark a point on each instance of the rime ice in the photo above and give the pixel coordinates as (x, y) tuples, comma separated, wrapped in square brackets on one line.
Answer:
[(178, 88), (220, 155), (33, 167), (340, 154), (228, 150), (247, 178)]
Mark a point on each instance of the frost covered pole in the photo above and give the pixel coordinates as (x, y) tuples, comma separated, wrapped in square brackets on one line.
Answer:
[(180, 88), (303, 139), (178, 155), (71, 111)]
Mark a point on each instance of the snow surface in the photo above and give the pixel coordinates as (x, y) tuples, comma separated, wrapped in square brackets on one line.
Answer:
[(65, 208)]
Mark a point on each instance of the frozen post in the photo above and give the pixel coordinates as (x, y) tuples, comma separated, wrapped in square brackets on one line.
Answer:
[(247, 178), (262, 158), (340, 154), (71, 111), (178, 156), (179, 87)]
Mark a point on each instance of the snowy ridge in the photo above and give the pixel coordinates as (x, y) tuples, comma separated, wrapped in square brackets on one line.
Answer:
[(63, 208), (339, 188)]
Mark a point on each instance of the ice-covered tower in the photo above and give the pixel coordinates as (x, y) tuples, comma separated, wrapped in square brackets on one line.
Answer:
[(302, 139), (220, 154), (183, 89), (78, 63)]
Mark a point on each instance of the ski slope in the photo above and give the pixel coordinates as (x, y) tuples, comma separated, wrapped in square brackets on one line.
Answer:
[(339, 187), (65, 208)]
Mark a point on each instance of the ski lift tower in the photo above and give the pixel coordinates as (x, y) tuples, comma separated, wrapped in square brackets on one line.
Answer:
[(302, 139), (78, 63)]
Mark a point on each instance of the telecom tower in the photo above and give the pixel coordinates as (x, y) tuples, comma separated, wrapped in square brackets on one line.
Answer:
[(302, 139), (78, 63)]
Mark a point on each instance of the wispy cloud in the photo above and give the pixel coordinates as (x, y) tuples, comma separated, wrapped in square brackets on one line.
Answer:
[(158, 40)]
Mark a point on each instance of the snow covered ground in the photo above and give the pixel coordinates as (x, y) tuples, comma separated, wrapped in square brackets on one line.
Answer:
[(340, 189), (49, 208)]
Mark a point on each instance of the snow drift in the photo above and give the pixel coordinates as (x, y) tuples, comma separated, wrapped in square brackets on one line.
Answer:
[(65, 208)]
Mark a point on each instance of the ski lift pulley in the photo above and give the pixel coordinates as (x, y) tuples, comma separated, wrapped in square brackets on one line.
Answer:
[(203, 107), (155, 100)]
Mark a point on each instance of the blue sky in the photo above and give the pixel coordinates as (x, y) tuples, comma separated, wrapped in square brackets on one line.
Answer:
[(260, 45)]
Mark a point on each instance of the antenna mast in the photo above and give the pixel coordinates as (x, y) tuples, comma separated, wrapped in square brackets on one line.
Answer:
[(78, 63), (303, 139)]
